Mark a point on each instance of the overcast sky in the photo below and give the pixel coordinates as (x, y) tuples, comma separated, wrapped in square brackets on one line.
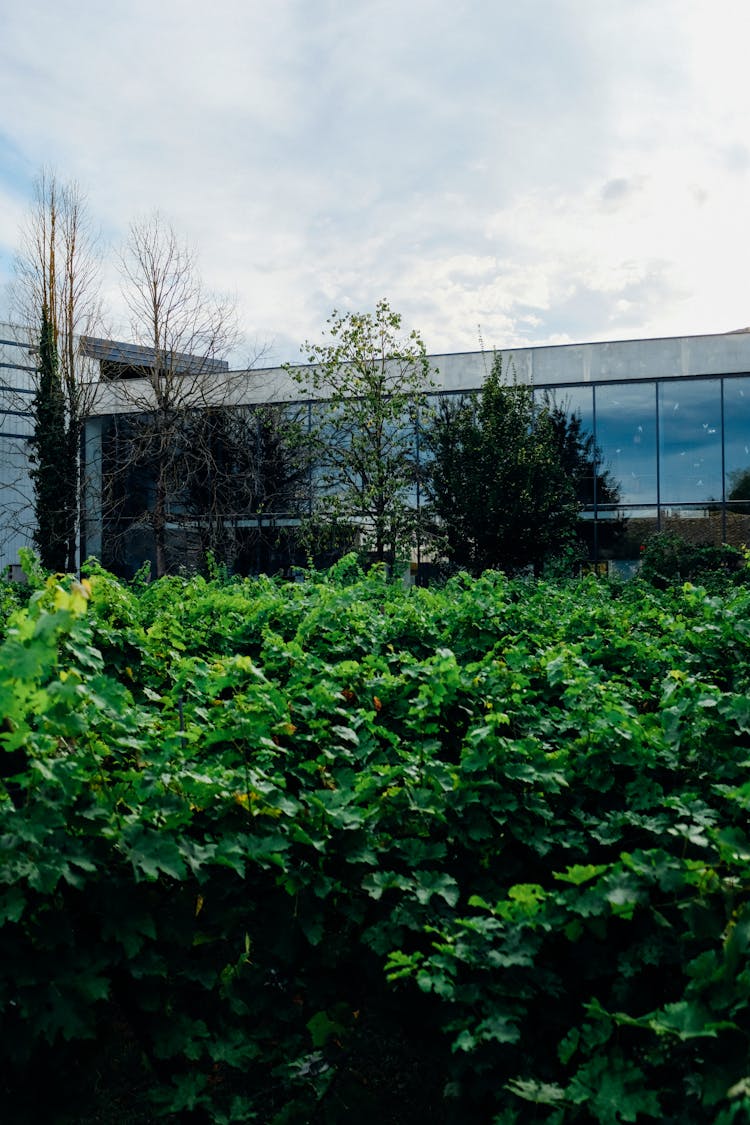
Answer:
[(552, 170)]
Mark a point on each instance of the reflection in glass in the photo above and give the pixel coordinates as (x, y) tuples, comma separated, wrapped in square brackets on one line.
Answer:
[(737, 444), (571, 400), (737, 521), (572, 411), (638, 525), (698, 525), (626, 437), (690, 441)]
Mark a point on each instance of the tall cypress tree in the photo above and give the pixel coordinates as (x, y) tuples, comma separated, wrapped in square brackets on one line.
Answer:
[(51, 455)]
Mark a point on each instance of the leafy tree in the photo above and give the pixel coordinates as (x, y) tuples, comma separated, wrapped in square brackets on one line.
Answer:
[(54, 457), (501, 496), (373, 380)]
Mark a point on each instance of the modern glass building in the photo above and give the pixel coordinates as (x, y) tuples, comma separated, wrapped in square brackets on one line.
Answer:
[(16, 491), (671, 426), (670, 419)]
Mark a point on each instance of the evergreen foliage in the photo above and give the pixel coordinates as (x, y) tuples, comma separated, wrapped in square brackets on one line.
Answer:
[(502, 493), (54, 457), (57, 280)]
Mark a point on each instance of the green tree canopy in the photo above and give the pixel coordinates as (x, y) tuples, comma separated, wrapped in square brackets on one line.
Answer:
[(501, 494), (371, 380)]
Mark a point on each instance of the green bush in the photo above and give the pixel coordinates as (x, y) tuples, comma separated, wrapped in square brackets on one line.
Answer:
[(334, 850), (667, 559)]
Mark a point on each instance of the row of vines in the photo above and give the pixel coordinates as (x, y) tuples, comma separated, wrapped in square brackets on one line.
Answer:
[(332, 850)]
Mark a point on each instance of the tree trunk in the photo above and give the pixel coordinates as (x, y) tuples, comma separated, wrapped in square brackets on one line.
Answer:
[(159, 524)]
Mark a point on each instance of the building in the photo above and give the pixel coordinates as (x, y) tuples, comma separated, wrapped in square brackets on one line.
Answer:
[(17, 368), (670, 419)]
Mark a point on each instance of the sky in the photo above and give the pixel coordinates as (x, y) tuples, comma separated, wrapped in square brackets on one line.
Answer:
[(514, 172)]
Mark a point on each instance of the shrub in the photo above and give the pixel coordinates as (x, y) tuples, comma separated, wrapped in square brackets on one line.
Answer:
[(309, 852), (668, 559)]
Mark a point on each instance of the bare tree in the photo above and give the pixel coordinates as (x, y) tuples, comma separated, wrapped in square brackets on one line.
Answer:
[(184, 334), (57, 282)]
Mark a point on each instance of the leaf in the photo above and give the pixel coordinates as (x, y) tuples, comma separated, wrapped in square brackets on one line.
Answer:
[(541, 1093), (429, 883), (12, 904), (322, 1028), (687, 1020), (614, 1090), (377, 882), (568, 1046), (153, 854), (346, 734), (466, 1041), (186, 1094), (499, 1028), (312, 928), (580, 873)]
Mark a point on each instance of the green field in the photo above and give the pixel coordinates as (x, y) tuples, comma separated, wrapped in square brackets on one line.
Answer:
[(332, 851)]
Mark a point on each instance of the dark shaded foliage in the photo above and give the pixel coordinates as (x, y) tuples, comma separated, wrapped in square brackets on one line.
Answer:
[(333, 850), (503, 482)]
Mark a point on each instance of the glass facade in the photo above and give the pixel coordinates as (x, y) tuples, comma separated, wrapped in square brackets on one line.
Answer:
[(625, 432), (663, 427), (672, 454), (689, 415), (16, 426)]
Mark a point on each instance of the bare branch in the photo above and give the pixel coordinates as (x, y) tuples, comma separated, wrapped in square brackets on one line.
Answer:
[(57, 268), (178, 436)]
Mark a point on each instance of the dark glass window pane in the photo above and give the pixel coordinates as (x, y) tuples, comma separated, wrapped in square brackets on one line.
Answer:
[(571, 400), (737, 442), (626, 437), (572, 410), (690, 441)]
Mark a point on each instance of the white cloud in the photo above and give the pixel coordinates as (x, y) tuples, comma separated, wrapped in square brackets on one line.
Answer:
[(547, 171)]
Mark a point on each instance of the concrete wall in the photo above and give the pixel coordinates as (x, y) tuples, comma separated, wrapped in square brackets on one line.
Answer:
[(611, 361)]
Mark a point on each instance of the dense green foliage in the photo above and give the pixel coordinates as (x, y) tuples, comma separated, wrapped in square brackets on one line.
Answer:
[(54, 459), (504, 477), (668, 559), (333, 850)]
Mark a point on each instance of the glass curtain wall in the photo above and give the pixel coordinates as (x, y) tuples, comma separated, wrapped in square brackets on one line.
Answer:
[(626, 432), (670, 455), (690, 459), (737, 460)]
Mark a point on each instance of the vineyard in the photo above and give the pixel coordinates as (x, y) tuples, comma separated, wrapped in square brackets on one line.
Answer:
[(333, 850)]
